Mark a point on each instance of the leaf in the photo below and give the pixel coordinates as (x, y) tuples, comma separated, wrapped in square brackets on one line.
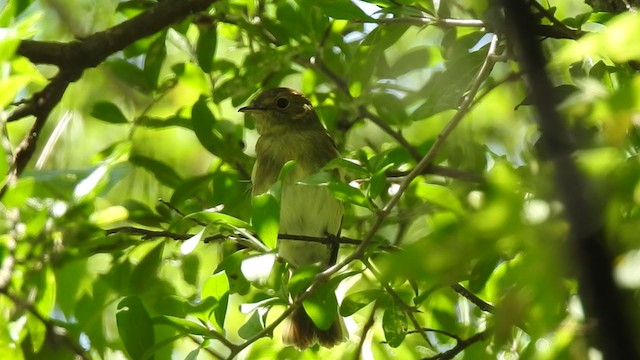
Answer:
[(394, 325), (356, 301), (322, 306), (164, 173), (109, 112), (340, 9), (302, 278), (439, 195), (232, 267), (217, 287), (251, 327), (134, 326), (206, 47), (266, 217), (18, 194), (203, 122), (482, 270), (190, 244), (445, 89), (414, 59), (349, 194), (147, 269), (257, 269), (129, 74), (154, 59), (213, 216), (186, 326)]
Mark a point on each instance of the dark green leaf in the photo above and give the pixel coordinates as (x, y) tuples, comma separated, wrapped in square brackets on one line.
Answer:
[(349, 194), (206, 47), (162, 172), (302, 279), (109, 112), (154, 59), (356, 301), (339, 9), (394, 325), (134, 326)]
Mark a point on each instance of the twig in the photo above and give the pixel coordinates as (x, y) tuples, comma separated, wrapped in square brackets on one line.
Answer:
[(52, 329), (451, 335), (441, 171), (365, 331), (426, 21), (406, 308), (560, 30), (481, 304), (460, 346), (40, 105), (152, 234)]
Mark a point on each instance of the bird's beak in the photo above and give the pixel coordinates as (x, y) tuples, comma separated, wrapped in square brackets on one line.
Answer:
[(250, 109)]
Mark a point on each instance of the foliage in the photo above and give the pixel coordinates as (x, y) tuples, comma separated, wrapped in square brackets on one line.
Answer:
[(129, 233)]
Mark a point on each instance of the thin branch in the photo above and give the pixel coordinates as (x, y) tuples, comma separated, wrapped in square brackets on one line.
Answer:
[(444, 171), (153, 234), (443, 332), (483, 305), (365, 331), (559, 30), (465, 105), (406, 308), (461, 345), (427, 21), (41, 106), (51, 328)]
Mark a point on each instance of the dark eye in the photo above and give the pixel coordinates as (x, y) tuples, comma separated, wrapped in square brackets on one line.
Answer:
[(282, 103)]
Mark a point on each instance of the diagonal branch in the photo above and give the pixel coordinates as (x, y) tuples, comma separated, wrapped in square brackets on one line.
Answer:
[(74, 57), (94, 49)]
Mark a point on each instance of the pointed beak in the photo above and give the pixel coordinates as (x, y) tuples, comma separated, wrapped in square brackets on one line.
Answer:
[(249, 109)]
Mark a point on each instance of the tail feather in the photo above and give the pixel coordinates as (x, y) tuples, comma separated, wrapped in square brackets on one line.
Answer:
[(300, 331)]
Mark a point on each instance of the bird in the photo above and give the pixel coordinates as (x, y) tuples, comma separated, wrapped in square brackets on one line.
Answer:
[(289, 129)]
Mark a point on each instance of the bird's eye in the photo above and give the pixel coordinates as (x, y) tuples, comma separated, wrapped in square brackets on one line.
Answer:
[(282, 103)]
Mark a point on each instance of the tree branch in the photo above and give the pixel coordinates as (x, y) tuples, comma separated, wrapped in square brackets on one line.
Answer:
[(52, 329), (602, 299), (483, 305), (74, 57), (460, 346), (94, 49)]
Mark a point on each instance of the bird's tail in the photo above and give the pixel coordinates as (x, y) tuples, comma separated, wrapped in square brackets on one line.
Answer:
[(300, 331)]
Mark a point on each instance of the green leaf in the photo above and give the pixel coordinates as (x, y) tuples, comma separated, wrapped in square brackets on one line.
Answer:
[(394, 325), (186, 326), (217, 286), (340, 9), (109, 112), (147, 269), (164, 173), (213, 216), (18, 194), (440, 195), (129, 74), (322, 306), (154, 59), (203, 122), (206, 47), (356, 301), (134, 326), (349, 194), (266, 218), (232, 267), (482, 270), (251, 327), (302, 278)]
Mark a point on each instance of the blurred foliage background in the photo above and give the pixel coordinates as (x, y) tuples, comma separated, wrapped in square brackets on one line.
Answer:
[(129, 233)]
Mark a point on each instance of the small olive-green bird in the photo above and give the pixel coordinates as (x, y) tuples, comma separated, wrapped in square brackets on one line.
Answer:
[(290, 129)]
